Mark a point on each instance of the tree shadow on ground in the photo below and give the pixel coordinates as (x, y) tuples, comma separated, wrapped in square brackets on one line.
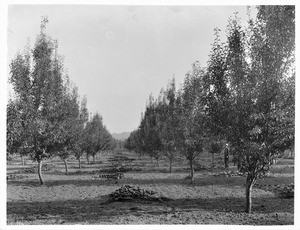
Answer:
[(9, 169), (51, 183), (95, 211), (236, 205), (95, 180)]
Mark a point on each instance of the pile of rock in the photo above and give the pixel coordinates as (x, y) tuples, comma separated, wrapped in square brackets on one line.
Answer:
[(48, 167), (286, 191), (200, 167), (121, 167), (282, 191), (266, 175), (131, 167), (28, 170), (120, 158), (131, 193), (216, 166), (34, 169), (15, 177), (228, 174)]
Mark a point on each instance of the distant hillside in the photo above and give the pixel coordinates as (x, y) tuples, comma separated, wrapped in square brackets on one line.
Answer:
[(121, 136)]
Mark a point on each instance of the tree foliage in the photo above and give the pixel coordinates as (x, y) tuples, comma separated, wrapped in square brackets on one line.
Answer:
[(168, 122), (151, 143), (37, 78), (245, 96), (264, 125), (96, 137), (192, 116), (44, 118)]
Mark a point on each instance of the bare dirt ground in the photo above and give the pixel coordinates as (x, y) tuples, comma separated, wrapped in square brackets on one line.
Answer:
[(80, 197)]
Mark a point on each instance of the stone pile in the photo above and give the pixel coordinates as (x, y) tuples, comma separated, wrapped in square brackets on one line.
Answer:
[(286, 191), (228, 174), (15, 177), (28, 170), (131, 193), (48, 167), (199, 167), (122, 167), (282, 191), (34, 169), (120, 158), (266, 175)]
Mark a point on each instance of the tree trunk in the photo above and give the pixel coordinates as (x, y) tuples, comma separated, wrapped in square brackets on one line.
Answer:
[(157, 162), (66, 166), (249, 184), (192, 172), (88, 159), (22, 160), (93, 158), (212, 158), (170, 168), (40, 163), (79, 163), (151, 159)]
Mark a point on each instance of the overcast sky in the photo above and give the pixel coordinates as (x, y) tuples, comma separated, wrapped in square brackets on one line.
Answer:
[(118, 55)]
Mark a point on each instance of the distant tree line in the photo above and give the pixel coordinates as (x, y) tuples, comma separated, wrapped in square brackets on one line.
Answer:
[(245, 97), (45, 116)]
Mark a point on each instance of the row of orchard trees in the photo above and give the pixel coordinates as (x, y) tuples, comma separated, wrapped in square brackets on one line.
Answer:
[(245, 97), (45, 117)]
